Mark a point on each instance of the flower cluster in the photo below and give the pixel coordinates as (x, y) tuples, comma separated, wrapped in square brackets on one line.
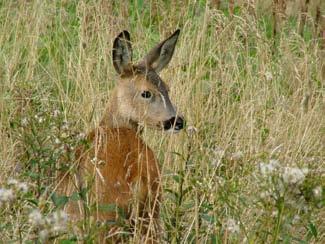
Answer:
[(268, 76), (292, 176), (219, 153), (9, 193), (269, 168), (232, 226), (19, 186), (289, 175), (53, 224), (282, 182), (6, 195)]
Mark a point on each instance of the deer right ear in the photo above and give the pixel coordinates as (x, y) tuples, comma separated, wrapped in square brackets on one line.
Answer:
[(122, 53), (160, 55)]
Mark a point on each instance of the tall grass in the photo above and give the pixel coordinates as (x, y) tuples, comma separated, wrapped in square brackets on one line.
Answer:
[(252, 169)]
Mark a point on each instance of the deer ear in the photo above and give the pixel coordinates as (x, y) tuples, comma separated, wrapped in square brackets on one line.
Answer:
[(122, 53), (160, 55)]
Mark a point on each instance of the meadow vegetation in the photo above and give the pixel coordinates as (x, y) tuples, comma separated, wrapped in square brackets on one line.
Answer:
[(248, 76)]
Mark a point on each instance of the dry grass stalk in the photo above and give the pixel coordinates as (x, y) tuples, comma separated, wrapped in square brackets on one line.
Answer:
[(303, 16), (244, 105), (278, 12), (215, 4), (231, 7)]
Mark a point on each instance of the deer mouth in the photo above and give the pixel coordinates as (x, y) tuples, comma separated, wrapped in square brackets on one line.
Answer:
[(174, 124)]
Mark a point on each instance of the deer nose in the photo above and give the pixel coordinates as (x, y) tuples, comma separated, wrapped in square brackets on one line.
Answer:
[(175, 123)]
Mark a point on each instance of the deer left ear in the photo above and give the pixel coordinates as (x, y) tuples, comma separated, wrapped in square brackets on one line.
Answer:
[(160, 55), (122, 53)]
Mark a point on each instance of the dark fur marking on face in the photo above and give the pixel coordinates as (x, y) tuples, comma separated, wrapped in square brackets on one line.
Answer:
[(153, 78)]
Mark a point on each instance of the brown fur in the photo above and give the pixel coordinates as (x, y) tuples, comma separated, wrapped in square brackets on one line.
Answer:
[(125, 173), (122, 162)]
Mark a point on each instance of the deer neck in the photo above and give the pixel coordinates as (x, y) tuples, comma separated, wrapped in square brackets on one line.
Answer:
[(112, 118)]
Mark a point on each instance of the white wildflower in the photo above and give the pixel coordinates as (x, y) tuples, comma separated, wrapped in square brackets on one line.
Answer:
[(265, 194), (318, 192), (199, 183), (35, 218), (274, 213), (6, 195), (24, 122), (20, 186), (237, 156), (56, 113), (232, 226), (219, 152), (64, 135), (65, 125), (12, 182), (275, 163), (41, 120), (23, 187), (294, 175), (97, 161), (57, 141), (221, 181), (58, 220), (267, 169), (43, 234), (191, 130), (60, 216), (268, 76), (81, 136), (296, 219), (63, 148)]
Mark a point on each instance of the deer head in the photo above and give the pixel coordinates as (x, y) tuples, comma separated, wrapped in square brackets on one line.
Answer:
[(141, 95)]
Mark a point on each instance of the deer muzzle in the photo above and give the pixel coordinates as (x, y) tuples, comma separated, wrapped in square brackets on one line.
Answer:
[(174, 124)]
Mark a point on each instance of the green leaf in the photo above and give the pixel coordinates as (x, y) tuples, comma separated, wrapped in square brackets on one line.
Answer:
[(59, 201), (173, 194), (66, 241), (214, 239), (106, 207), (83, 193), (312, 230), (33, 201), (189, 205), (177, 178), (75, 196), (209, 218)]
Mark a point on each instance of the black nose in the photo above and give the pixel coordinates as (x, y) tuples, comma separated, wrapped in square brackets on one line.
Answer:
[(175, 122)]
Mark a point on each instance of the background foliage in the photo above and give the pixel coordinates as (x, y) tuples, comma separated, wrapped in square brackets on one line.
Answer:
[(247, 75)]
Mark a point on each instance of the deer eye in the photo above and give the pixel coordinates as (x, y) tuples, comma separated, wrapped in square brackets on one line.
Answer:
[(146, 94)]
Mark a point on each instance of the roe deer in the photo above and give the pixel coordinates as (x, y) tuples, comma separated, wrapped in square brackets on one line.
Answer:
[(119, 167)]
